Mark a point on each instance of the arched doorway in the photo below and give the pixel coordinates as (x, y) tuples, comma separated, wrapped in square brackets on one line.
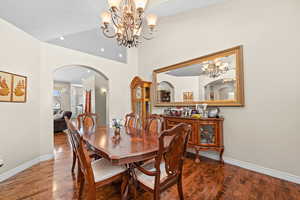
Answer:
[(70, 84)]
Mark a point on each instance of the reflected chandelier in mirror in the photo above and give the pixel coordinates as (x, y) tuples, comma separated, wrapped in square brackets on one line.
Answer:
[(215, 79)]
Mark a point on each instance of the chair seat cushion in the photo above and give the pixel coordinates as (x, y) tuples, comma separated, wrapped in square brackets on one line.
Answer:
[(149, 181), (103, 169)]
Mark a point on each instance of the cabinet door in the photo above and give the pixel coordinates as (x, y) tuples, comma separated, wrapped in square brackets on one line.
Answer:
[(208, 134), (172, 123)]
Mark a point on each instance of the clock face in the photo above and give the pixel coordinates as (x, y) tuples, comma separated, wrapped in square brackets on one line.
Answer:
[(138, 93)]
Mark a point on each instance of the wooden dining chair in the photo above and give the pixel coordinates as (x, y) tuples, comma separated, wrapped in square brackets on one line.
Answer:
[(166, 170), (71, 143), (154, 123), (87, 120), (131, 120), (71, 129), (97, 173)]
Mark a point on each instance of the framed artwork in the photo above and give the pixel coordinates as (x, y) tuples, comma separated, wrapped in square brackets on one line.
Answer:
[(13, 88), (188, 96), (5, 86), (19, 89)]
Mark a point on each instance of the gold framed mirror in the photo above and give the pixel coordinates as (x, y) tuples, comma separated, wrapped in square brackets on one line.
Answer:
[(216, 79)]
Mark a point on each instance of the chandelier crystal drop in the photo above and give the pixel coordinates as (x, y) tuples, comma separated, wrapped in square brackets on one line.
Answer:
[(125, 20), (214, 68)]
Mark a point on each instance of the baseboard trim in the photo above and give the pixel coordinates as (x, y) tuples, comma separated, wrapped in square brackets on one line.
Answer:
[(253, 167), (10, 173), (250, 166)]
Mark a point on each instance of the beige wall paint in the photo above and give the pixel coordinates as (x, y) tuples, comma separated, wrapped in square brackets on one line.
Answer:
[(20, 54), (101, 99), (27, 129), (266, 131), (119, 75)]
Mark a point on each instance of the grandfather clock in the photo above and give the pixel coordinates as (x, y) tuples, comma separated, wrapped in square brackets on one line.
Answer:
[(140, 99)]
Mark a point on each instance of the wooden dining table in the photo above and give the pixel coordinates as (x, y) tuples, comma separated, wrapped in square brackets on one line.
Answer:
[(131, 146)]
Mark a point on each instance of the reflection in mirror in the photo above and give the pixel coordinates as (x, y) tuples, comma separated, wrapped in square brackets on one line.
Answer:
[(215, 79), (205, 81), (165, 92)]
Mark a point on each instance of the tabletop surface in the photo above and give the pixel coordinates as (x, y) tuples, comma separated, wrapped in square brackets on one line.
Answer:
[(134, 144)]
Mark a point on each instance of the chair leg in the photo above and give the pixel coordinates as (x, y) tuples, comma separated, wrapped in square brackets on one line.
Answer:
[(125, 187), (81, 186), (79, 172), (74, 162), (91, 194), (179, 187), (156, 195)]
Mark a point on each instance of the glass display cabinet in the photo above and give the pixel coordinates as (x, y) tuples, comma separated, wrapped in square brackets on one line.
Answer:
[(140, 99), (207, 133)]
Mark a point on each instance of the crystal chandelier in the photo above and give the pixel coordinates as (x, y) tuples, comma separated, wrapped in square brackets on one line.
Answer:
[(214, 68), (124, 21)]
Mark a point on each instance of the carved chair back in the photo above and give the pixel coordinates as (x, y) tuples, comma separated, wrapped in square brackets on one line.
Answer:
[(131, 120), (172, 149), (82, 154), (87, 120), (69, 123), (154, 123)]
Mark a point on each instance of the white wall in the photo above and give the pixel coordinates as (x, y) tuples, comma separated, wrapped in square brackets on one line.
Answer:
[(77, 98), (266, 131), (101, 99), (181, 84), (27, 128), (19, 122), (119, 75)]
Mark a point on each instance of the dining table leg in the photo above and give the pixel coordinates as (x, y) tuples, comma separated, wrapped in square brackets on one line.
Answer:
[(129, 183), (125, 186)]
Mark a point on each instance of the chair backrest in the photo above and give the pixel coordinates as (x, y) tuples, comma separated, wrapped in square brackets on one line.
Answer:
[(86, 120), (154, 123), (81, 153), (131, 120), (172, 149), (68, 122)]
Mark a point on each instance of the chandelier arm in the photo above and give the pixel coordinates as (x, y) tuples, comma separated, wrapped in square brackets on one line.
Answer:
[(140, 24), (113, 19), (148, 38), (105, 31)]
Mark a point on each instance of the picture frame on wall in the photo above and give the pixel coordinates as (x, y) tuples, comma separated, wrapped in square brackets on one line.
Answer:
[(5, 86), (13, 87), (19, 94)]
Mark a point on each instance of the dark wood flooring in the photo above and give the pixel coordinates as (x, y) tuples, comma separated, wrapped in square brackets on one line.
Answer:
[(207, 180)]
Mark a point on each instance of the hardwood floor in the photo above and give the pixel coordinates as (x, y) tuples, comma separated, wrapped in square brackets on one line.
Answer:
[(207, 180)]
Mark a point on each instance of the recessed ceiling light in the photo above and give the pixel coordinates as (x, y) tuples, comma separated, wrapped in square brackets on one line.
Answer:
[(89, 71), (102, 49), (120, 55), (61, 38)]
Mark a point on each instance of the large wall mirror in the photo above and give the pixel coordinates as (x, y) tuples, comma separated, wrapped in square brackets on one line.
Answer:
[(215, 79)]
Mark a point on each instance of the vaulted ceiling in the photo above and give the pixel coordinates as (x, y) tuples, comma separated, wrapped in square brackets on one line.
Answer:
[(48, 20)]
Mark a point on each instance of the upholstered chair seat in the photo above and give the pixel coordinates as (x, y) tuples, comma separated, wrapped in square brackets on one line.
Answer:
[(103, 169), (149, 181), (166, 170)]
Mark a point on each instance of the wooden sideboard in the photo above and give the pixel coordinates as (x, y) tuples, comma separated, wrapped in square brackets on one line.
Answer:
[(207, 133)]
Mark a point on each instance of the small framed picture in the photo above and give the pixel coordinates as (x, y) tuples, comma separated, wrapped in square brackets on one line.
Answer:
[(19, 93), (13, 87), (188, 96), (5, 86)]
